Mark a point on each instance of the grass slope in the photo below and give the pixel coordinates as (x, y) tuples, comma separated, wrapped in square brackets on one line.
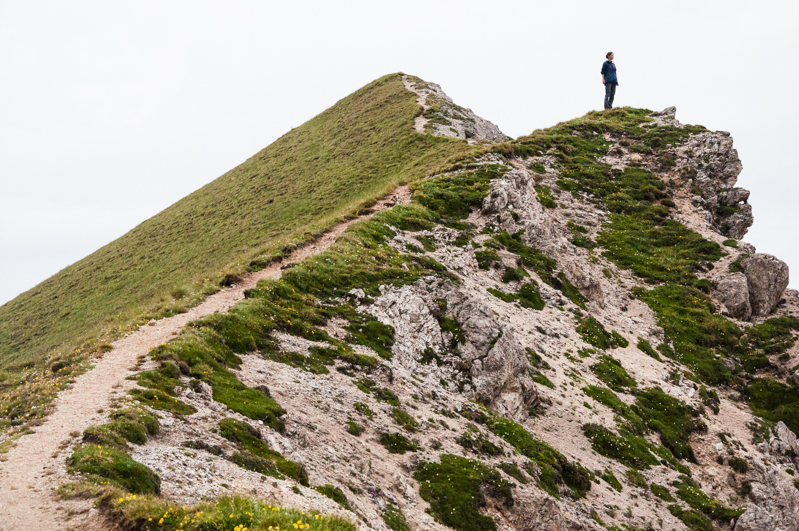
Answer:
[(326, 169)]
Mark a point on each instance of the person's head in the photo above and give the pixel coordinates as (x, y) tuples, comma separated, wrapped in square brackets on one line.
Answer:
[(609, 56)]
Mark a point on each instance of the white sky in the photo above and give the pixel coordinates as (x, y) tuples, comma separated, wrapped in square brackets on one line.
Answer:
[(112, 111)]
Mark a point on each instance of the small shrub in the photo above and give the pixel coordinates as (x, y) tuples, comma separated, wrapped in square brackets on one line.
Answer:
[(363, 409), (353, 428), (397, 443), (739, 464)]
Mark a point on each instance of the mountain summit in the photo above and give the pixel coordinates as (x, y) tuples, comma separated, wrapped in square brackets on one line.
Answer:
[(396, 318)]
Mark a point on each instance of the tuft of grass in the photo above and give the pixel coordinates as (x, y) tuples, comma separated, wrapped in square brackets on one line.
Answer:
[(672, 419), (630, 450), (256, 454), (476, 441), (353, 428), (595, 334), (397, 443), (662, 492), (114, 465), (689, 491), (131, 424), (611, 372), (611, 480), (160, 400), (542, 379), (394, 519), (513, 471), (528, 296), (404, 420), (363, 409), (457, 488), (646, 347), (635, 478), (335, 494)]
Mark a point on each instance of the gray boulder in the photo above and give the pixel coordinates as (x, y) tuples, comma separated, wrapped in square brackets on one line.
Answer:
[(733, 292), (756, 519), (767, 278)]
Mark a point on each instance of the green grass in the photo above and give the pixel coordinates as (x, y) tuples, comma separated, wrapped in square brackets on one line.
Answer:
[(551, 467), (529, 296), (457, 488), (335, 494), (595, 334), (476, 441), (116, 466), (688, 491), (611, 372), (256, 454), (662, 492), (131, 425), (397, 443), (672, 419), (394, 519), (610, 478), (330, 167), (630, 450), (404, 420), (775, 401), (149, 513)]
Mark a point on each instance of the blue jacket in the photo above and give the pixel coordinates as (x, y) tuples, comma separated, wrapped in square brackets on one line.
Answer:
[(609, 71)]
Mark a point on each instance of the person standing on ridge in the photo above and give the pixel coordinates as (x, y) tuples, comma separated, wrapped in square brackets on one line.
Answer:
[(609, 79)]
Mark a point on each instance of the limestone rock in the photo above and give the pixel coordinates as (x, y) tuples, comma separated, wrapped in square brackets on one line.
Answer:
[(733, 292), (669, 112), (767, 278), (755, 519), (529, 513)]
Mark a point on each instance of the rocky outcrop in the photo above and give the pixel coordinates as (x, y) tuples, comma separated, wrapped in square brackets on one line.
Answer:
[(716, 165), (733, 292), (532, 513), (767, 278), (446, 118), (756, 519)]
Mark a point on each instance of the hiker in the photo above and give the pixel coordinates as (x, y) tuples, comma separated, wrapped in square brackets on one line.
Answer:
[(609, 79)]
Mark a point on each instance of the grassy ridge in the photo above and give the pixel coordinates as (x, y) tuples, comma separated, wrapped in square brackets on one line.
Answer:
[(334, 164)]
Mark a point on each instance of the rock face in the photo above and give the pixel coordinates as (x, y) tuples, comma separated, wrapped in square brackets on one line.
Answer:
[(446, 118), (767, 278), (717, 167), (733, 292)]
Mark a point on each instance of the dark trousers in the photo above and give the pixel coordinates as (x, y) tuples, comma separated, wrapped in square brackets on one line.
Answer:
[(610, 92)]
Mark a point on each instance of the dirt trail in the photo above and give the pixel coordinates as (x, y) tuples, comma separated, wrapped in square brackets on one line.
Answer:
[(34, 469), (420, 122)]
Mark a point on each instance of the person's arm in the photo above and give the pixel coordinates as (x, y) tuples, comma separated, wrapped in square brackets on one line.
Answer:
[(604, 69)]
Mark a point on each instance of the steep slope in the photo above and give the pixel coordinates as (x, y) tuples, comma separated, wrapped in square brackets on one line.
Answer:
[(328, 168), (561, 331)]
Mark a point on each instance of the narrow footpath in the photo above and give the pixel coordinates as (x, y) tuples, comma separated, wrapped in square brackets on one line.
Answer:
[(36, 466)]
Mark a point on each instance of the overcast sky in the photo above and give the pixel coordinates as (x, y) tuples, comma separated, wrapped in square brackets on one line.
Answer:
[(112, 111)]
